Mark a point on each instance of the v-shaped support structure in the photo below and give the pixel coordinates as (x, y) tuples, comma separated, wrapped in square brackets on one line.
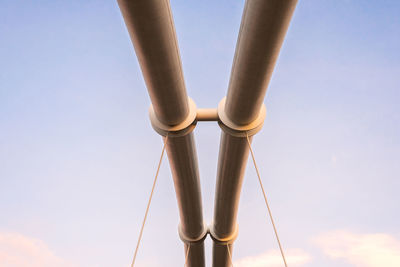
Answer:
[(262, 31)]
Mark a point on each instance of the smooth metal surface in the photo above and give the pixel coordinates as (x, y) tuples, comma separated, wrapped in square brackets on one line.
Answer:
[(185, 172), (183, 162), (151, 28), (262, 31), (183, 128), (223, 258), (233, 155), (232, 162), (196, 255), (207, 114), (152, 32), (264, 25)]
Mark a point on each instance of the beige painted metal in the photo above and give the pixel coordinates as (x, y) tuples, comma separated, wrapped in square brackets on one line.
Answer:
[(207, 114), (264, 25), (183, 162), (151, 28), (152, 32), (262, 31), (180, 129)]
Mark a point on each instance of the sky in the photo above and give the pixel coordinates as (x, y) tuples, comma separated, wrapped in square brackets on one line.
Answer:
[(78, 154)]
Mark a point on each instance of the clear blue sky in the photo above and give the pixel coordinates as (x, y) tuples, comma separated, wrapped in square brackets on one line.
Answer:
[(78, 154)]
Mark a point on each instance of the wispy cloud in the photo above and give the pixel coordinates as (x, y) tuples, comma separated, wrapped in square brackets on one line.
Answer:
[(361, 250), (273, 258), (17, 250)]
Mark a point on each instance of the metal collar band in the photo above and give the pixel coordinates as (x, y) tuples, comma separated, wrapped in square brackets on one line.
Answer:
[(187, 240), (188, 125), (181, 129), (236, 130), (224, 240)]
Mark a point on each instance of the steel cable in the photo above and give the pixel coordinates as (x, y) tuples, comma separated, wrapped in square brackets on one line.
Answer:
[(187, 255), (149, 202), (230, 254), (266, 201)]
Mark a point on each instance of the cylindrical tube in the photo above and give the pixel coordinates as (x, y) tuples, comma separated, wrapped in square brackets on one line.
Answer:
[(207, 114), (183, 162), (152, 32), (263, 29), (264, 25), (151, 28), (233, 154)]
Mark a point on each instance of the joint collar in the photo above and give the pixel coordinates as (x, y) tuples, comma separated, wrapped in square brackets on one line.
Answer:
[(237, 130)]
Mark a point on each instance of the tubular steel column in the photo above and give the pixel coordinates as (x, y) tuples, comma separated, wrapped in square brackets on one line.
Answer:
[(264, 25), (151, 28), (152, 32)]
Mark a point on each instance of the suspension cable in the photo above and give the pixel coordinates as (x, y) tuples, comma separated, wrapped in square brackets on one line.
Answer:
[(149, 202), (187, 255), (230, 254), (266, 201)]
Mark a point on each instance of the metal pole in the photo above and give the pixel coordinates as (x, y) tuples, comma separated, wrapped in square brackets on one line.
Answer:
[(207, 114), (151, 28), (183, 162), (263, 29), (264, 25)]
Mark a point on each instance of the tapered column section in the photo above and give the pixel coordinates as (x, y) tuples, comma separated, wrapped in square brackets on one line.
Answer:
[(263, 29), (152, 32), (233, 154), (151, 27), (264, 25), (183, 163)]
